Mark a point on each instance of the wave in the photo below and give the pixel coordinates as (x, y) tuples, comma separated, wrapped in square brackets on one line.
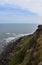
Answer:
[(6, 41), (15, 38), (11, 34), (9, 39), (7, 33), (12, 37)]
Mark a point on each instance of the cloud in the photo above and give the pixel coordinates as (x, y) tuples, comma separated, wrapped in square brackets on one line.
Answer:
[(20, 11), (6, 17), (15, 11), (9, 14), (32, 5)]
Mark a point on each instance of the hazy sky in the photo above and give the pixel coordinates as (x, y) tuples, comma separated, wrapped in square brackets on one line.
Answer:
[(21, 11)]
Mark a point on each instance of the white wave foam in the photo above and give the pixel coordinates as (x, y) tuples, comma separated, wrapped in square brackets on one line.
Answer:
[(5, 41), (15, 38), (11, 34), (8, 33), (20, 35), (9, 39)]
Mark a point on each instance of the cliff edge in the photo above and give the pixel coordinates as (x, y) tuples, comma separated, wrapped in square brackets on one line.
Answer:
[(27, 50)]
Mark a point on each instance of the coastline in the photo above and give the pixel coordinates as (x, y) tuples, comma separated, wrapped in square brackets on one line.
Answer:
[(10, 43), (18, 50), (10, 48), (11, 40)]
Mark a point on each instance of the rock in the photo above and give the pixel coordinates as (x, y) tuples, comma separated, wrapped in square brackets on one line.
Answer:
[(40, 63)]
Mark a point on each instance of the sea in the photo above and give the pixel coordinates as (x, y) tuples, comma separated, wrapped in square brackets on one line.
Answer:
[(12, 31)]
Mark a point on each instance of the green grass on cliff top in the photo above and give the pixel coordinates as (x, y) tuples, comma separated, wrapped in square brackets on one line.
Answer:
[(27, 52)]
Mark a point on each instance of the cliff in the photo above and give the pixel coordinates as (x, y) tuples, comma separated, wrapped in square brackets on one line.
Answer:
[(25, 51), (38, 32)]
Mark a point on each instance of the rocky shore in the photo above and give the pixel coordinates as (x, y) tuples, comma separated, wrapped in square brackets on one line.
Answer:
[(8, 49), (27, 50)]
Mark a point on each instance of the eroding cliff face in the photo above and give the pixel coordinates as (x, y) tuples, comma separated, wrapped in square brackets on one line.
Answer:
[(38, 32)]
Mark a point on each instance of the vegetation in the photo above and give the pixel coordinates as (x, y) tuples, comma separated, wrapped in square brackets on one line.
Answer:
[(28, 51)]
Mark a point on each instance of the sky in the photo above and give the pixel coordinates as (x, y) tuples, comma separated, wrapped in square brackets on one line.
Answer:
[(21, 11)]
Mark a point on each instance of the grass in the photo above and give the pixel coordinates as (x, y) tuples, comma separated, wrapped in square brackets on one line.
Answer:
[(19, 55), (27, 52)]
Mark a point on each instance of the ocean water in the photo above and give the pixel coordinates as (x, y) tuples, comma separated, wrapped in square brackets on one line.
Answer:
[(10, 32)]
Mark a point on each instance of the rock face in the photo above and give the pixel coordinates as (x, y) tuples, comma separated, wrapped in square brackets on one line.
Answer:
[(40, 27), (38, 32), (27, 51)]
